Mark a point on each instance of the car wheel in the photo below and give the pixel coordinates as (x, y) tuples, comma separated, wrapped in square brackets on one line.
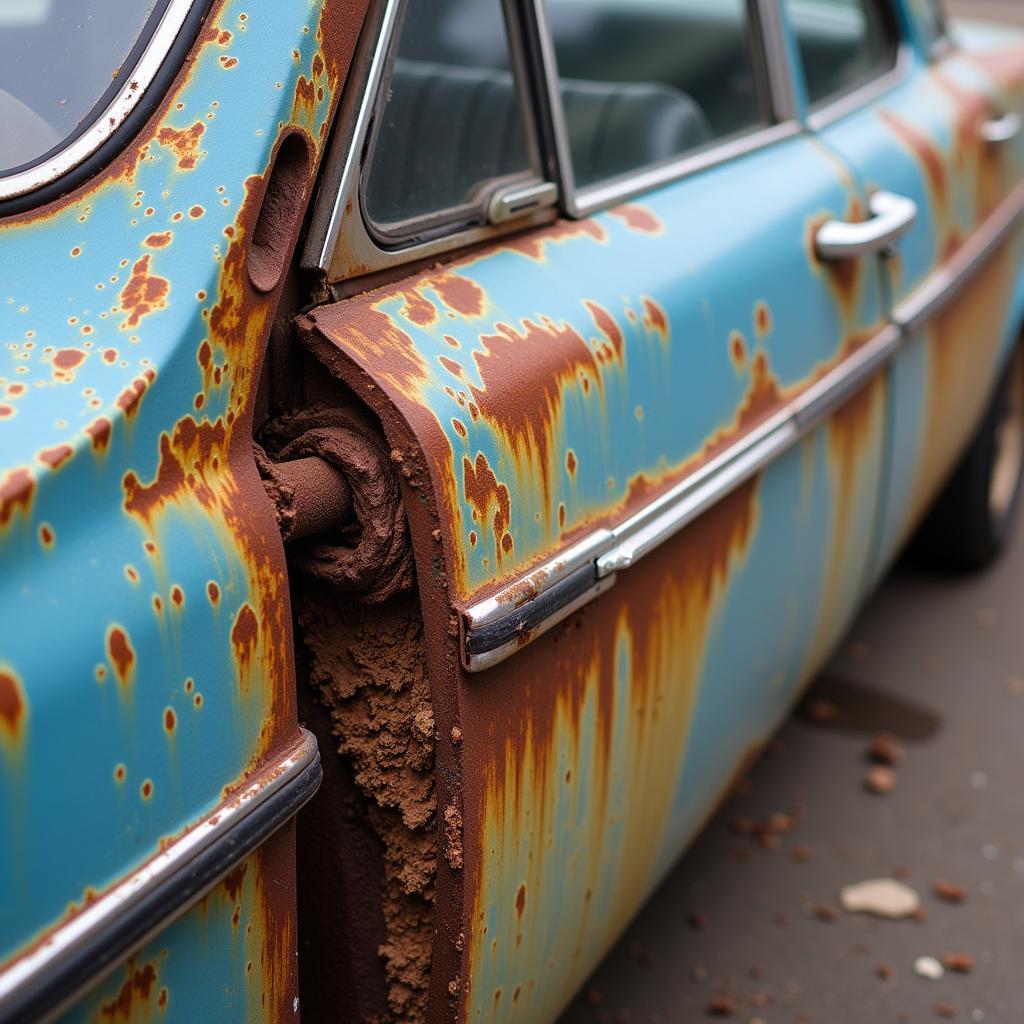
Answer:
[(972, 520)]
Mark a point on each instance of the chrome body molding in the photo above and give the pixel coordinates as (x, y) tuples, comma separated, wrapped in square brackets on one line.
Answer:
[(960, 269), (136, 79), (42, 982), (497, 627)]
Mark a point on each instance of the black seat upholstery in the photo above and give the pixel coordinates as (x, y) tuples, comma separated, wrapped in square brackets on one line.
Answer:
[(447, 128)]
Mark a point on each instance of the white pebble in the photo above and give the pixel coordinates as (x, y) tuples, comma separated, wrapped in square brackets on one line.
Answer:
[(928, 967), (883, 897)]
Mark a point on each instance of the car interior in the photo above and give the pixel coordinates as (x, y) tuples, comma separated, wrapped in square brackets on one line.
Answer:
[(643, 81)]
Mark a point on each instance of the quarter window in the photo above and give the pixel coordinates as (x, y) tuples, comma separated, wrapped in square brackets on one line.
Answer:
[(646, 81), (451, 129), (843, 44), (61, 64)]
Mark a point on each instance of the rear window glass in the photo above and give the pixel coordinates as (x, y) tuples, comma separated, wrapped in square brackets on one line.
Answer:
[(61, 64)]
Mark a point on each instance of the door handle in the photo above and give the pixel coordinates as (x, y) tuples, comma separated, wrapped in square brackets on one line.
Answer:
[(1002, 129), (891, 217)]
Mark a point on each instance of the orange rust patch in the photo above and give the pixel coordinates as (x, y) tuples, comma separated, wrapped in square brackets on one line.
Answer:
[(129, 399), (244, 638), (158, 240), (5, 411), (213, 592), (459, 294), (16, 492), (46, 535), (762, 319), (737, 350), (110, 355), (526, 417), (183, 142), (490, 501), (56, 457), (177, 596), (460, 427), (655, 318), (607, 326), (146, 789), (68, 359), (143, 294), (99, 433), (130, 1000), (532, 245), (196, 212), (923, 149), (570, 462), (170, 720), (639, 219), (454, 368), (12, 703), (227, 62), (121, 654), (417, 309)]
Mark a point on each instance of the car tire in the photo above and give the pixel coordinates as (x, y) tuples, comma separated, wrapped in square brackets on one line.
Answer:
[(972, 520)]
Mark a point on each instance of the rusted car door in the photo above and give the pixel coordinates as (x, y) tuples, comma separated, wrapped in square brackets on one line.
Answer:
[(641, 455), (944, 130)]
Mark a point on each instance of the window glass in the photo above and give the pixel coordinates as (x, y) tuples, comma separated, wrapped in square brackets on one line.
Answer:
[(59, 61), (644, 81), (451, 129), (933, 24), (842, 44)]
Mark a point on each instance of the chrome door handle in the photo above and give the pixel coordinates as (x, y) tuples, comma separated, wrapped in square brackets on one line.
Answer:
[(1002, 129), (891, 217)]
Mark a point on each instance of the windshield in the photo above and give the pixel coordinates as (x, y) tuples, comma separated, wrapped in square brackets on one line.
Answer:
[(60, 64)]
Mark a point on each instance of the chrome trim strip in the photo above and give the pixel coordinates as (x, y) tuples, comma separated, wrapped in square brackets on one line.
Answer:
[(776, 56), (347, 148), (595, 197), (136, 80), (45, 980), (832, 111), (939, 290)]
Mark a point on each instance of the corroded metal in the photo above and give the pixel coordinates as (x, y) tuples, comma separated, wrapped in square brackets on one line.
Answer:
[(147, 667)]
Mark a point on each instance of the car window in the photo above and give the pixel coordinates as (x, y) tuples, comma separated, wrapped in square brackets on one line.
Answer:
[(933, 22), (842, 44), (451, 129), (61, 60), (646, 81)]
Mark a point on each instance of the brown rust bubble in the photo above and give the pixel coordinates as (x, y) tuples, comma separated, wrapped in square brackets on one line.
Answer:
[(489, 499), (99, 433), (170, 720), (12, 703), (68, 359), (158, 240), (656, 319), (146, 789), (244, 639), (762, 319), (129, 1003), (46, 535), (121, 654), (16, 492), (213, 592), (177, 596), (737, 350), (56, 457), (639, 219)]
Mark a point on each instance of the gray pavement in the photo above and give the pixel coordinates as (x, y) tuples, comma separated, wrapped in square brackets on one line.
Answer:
[(938, 663)]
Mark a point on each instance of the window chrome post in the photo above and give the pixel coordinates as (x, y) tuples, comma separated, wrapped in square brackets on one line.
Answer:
[(550, 96), (766, 19)]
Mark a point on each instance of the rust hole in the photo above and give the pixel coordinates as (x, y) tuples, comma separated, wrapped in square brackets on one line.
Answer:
[(280, 213)]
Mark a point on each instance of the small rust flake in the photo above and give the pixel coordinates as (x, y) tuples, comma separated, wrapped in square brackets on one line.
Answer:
[(136, 990), (244, 637), (12, 704), (16, 491), (121, 653), (183, 142)]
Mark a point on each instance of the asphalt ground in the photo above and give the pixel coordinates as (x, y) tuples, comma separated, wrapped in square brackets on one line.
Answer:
[(750, 918)]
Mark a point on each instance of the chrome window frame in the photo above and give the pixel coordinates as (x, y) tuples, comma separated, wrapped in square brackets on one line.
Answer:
[(776, 96), (833, 108), (340, 244), (137, 79), (478, 209)]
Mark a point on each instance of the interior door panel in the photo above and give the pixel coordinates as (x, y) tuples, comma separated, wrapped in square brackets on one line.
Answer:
[(552, 386)]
